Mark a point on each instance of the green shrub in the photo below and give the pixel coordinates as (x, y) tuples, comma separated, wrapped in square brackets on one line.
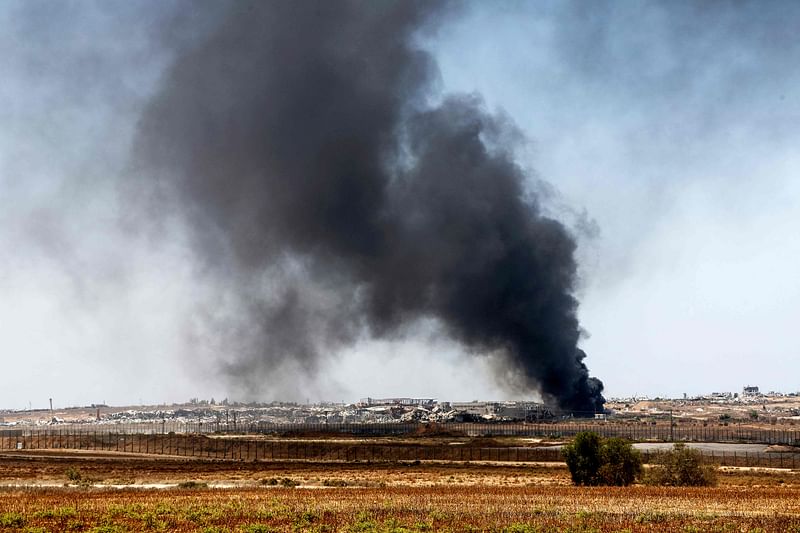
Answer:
[(593, 460), (363, 523), (192, 485), (583, 458), (75, 525), (74, 474), (621, 463), (682, 467), (11, 520), (334, 483)]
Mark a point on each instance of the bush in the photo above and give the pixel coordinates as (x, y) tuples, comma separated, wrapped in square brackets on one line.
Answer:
[(335, 483), (192, 485), (74, 474), (621, 463), (583, 459), (682, 467), (11, 520), (594, 461)]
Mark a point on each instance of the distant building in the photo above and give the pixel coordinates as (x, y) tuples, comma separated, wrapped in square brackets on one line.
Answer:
[(508, 410), (750, 391), (419, 402)]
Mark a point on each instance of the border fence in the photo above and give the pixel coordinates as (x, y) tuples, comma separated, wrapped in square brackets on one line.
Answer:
[(277, 442), (251, 448), (636, 432)]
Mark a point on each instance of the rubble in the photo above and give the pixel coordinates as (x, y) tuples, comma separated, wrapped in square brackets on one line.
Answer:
[(369, 410)]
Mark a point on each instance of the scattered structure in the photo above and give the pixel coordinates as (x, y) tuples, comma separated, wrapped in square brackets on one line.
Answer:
[(405, 402), (367, 410), (718, 408), (504, 410)]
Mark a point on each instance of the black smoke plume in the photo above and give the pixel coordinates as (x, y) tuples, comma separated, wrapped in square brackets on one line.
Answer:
[(335, 194)]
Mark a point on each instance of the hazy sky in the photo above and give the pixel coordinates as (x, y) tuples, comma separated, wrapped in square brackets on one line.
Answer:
[(666, 131)]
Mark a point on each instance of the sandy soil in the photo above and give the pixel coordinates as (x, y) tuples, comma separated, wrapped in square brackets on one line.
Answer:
[(51, 467), (56, 468)]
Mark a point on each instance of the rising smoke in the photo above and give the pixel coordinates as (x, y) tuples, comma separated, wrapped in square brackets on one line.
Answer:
[(334, 194)]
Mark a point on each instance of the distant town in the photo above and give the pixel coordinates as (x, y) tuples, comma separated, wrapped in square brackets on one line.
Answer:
[(748, 405)]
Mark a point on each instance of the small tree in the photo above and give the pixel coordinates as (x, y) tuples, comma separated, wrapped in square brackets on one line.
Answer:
[(621, 463), (583, 458), (593, 460), (682, 467)]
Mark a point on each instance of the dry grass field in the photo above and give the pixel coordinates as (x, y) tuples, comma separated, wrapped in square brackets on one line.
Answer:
[(439, 508), (58, 490)]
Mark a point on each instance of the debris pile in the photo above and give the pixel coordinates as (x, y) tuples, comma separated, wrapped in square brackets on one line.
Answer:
[(368, 411)]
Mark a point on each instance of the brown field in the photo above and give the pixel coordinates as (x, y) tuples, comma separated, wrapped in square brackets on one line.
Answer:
[(60, 490)]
